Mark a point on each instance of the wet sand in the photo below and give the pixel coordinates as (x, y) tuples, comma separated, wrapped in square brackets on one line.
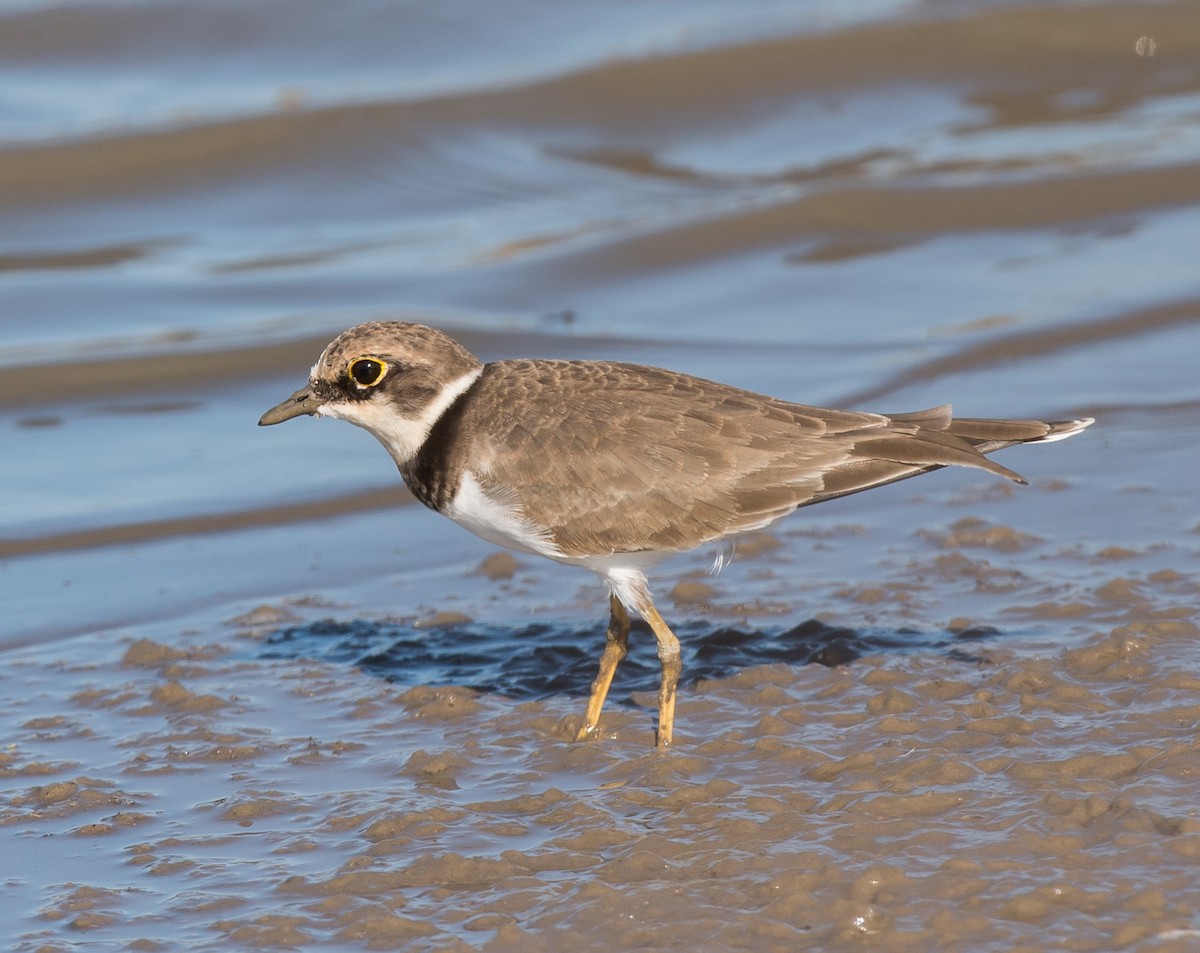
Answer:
[(254, 697), (1008, 788)]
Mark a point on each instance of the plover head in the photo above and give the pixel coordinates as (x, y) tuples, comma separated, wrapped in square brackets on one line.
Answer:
[(391, 378)]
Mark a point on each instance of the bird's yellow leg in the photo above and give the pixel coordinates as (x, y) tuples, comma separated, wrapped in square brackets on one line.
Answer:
[(616, 647), (672, 666)]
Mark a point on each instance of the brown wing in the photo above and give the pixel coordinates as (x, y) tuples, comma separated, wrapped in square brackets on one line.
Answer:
[(631, 458)]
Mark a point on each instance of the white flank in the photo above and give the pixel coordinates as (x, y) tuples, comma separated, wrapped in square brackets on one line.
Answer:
[(402, 436), (497, 520), (504, 523)]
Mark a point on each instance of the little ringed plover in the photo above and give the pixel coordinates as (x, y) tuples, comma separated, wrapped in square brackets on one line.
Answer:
[(611, 466)]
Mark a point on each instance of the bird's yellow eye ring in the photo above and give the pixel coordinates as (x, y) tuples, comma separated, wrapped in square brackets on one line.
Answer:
[(366, 371)]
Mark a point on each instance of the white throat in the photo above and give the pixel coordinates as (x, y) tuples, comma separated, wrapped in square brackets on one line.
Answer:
[(402, 436)]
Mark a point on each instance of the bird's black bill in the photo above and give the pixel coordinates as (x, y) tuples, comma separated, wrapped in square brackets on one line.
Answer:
[(300, 403)]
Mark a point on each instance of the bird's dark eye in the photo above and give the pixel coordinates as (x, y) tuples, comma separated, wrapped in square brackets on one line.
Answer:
[(367, 371)]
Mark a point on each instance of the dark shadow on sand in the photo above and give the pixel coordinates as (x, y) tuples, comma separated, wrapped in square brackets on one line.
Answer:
[(538, 661)]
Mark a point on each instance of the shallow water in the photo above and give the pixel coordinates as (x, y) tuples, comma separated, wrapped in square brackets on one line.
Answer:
[(253, 696)]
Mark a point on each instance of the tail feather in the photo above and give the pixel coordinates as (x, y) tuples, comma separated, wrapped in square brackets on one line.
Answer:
[(1008, 432), (926, 440)]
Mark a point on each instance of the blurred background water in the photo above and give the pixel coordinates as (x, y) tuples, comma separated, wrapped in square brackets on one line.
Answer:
[(884, 204)]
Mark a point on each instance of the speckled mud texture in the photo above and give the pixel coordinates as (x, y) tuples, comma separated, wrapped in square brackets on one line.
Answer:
[(963, 789)]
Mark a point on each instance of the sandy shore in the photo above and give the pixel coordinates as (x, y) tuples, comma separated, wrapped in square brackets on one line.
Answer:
[(989, 790)]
